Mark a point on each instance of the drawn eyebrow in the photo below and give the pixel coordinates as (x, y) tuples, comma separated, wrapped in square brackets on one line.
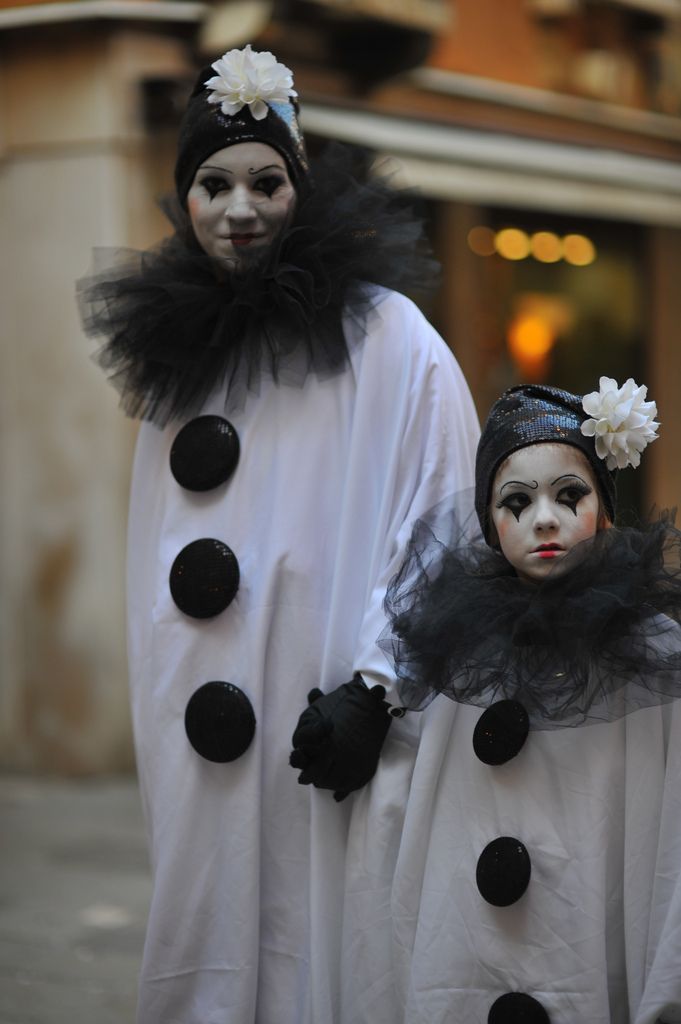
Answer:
[(251, 170), (519, 483), (569, 476)]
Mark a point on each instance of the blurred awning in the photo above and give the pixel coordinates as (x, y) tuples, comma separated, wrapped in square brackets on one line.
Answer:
[(431, 15), (24, 14), (558, 8), (492, 168)]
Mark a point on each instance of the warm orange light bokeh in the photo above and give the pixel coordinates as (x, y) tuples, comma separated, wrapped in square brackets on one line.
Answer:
[(530, 337), (512, 244), (481, 241), (579, 250), (546, 247)]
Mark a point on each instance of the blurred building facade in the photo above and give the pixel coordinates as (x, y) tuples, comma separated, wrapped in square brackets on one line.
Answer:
[(545, 137)]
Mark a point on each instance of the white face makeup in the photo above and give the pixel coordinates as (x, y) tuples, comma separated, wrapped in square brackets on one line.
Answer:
[(239, 201), (544, 502)]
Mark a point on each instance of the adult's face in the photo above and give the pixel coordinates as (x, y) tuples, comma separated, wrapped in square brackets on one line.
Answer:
[(239, 201), (544, 502)]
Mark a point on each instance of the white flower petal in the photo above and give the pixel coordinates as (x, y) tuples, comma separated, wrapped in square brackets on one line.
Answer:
[(244, 76), (259, 110), (230, 108), (620, 420), (591, 403)]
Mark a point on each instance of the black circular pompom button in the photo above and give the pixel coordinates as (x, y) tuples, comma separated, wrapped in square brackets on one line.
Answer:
[(219, 722), (503, 871), (501, 732), (205, 453), (204, 578), (517, 1008)]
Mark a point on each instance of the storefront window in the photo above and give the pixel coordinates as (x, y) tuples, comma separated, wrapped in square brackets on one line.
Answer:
[(561, 300)]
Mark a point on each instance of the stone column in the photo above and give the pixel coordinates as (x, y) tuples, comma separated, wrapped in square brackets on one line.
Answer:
[(79, 169)]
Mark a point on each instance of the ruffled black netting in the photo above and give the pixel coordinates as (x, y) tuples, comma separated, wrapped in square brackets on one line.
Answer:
[(175, 330), (592, 644)]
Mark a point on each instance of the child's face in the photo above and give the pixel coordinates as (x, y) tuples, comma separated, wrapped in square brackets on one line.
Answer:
[(544, 501)]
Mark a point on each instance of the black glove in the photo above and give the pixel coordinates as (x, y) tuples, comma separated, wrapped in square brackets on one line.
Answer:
[(338, 738)]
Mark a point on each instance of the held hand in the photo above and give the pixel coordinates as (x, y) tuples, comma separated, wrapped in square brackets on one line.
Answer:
[(339, 737)]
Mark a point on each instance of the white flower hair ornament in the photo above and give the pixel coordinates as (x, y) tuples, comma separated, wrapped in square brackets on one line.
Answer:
[(245, 78), (621, 422)]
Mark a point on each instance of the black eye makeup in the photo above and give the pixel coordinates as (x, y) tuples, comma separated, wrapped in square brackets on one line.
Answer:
[(214, 184), (269, 184), (515, 502), (569, 494), (572, 493)]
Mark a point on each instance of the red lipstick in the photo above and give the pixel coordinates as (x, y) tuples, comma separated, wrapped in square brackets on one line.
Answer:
[(547, 550)]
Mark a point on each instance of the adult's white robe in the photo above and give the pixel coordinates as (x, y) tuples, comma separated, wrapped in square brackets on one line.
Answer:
[(247, 922)]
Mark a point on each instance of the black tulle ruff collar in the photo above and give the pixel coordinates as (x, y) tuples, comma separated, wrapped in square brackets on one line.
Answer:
[(175, 331), (593, 644)]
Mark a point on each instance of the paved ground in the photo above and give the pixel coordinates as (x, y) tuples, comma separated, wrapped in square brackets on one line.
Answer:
[(74, 893)]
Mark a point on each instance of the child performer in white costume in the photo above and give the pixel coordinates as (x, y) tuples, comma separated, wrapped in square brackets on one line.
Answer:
[(539, 874), (260, 545)]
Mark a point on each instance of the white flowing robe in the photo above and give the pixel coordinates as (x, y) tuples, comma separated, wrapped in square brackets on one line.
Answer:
[(250, 868), (596, 937)]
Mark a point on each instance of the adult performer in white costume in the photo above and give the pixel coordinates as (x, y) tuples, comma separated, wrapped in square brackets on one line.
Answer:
[(539, 875), (299, 414)]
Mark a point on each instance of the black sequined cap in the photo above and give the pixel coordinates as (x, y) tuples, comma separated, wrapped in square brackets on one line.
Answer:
[(534, 414)]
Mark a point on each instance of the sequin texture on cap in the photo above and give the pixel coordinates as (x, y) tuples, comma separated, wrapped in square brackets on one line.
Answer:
[(534, 414)]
